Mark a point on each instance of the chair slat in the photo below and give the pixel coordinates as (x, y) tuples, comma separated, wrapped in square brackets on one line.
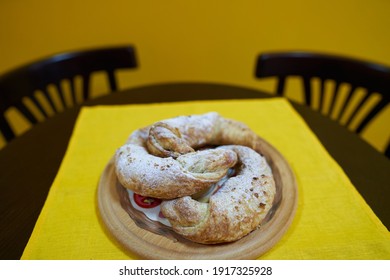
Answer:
[(322, 95), (26, 113), (345, 104), (280, 85), (73, 96), (357, 108), (86, 86), (61, 94), (334, 99), (373, 112), (39, 106), (112, 81), (49, 99), (307, 90)]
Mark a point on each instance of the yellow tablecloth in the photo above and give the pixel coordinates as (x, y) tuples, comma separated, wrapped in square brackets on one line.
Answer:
[(332, 220)]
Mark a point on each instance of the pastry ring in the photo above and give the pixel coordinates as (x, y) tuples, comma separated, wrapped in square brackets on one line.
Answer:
[(172, 160), (161, 160)]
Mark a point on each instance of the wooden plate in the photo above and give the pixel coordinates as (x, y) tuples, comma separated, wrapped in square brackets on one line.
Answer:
[(151, 240)]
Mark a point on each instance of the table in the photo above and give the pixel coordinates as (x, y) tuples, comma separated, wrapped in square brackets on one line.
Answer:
[(30, 163)]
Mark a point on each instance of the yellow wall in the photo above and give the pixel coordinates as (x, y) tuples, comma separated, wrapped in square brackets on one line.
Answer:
[(198, 40)]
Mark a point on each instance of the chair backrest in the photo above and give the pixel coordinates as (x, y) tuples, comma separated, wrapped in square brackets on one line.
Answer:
[(374, 78), (24, 81), (358, 74)]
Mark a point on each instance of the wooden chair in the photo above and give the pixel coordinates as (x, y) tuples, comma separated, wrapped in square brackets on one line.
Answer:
[(25, 81), (374, 78)]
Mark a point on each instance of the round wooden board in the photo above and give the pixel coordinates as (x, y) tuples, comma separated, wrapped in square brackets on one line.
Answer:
[(149, 245)]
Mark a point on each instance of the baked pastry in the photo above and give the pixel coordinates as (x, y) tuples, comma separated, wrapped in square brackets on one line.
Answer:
[(182, 160), (234, 210), (161, 160)]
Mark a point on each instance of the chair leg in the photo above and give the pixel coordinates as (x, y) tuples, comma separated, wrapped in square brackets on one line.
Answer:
[(280, 86)]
